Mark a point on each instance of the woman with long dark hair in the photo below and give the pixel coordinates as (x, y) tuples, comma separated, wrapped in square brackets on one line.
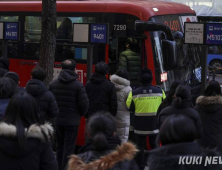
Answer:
[(209, 107), (104, 150), (24, 139), (182, 105)]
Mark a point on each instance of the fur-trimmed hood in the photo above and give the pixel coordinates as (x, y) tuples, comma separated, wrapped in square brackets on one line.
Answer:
[(35, 135), (124, 152), (119, 82), (209, 100)]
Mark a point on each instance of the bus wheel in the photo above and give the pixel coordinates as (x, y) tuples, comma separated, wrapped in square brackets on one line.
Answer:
[(217, 63)]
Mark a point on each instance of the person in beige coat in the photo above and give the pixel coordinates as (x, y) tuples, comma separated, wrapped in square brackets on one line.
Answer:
[(122, 84)]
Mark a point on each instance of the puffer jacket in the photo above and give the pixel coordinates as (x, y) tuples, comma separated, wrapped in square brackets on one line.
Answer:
[(131, 62), (116, 157), (71, 98), (181, 156), (3, 106), (45, 99), (102, 95), (210, 111), (123, 115), (37, 153)]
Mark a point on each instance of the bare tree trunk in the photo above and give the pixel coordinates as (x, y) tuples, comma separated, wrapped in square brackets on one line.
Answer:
[(48, 38)]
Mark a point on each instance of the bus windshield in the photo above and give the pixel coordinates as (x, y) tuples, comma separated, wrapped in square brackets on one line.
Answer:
[(188, 58)]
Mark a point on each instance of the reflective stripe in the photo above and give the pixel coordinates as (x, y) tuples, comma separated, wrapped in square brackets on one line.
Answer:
[(146, 114), (129, 100), (148, 95), (146, 132), (164, 95)]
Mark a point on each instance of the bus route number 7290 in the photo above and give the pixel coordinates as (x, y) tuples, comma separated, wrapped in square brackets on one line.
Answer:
[(119, 27)]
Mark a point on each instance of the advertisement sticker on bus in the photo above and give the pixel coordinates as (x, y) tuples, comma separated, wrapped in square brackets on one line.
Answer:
[(164, 77), (214, 34), (188, 19), (1, 31), (11, 31)]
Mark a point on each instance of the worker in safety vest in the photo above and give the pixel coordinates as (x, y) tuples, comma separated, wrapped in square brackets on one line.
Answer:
[(144, 102)]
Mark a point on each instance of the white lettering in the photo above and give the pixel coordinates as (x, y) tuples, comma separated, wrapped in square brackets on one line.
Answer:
[(189, 160), (208, 160), (181, 160), (215, 160)]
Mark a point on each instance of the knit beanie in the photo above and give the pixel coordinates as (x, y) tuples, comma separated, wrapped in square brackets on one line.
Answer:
[(145, 76)]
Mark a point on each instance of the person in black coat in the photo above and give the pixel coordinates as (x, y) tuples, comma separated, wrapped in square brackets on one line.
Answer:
[(182, 105), (4, 66), (45, 99), (15, 77), (8, 89), (104, 150), (24, 139), (73, 103), (101, 92), (179, 149), (209, 107)]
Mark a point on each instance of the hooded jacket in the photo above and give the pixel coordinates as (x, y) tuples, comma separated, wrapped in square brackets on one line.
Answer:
[(123, 115), (210, 111), (71, 98), (45, 99), (171, 157), (102, 95), (119, 158), (184, 109), (37, 153)]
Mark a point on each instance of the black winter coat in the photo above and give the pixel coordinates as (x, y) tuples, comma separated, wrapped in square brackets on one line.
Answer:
[(185, 109), (71, 98), (37, 154), (102, 95), (45, 99), (3, 72), (115, 157), (168, 157), (210, 111)]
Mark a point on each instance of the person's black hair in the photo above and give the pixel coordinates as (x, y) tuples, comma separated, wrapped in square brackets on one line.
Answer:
[(182, 93), (68, 64), (213, 89), (7, 88), (100, 127), (177, 128), (38, 73), (170, 96), (132, 42), (13, 75), (145, 76), (102, 68), (122, 72), (22, 111)]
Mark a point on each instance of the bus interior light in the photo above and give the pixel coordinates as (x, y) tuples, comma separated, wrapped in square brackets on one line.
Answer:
[(156, 9)]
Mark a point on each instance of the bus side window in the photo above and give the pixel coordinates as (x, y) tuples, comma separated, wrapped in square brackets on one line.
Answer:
[(12, 45), (32, 36)]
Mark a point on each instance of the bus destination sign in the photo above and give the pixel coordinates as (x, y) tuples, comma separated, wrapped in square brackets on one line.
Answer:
[(11, 31), (98, 33), (214, 34)]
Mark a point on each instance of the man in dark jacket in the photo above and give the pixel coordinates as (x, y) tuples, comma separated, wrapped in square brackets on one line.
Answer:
[(15, 77), (73, 103), (101, 92), (144, 102), (45, 99), (4, 66)]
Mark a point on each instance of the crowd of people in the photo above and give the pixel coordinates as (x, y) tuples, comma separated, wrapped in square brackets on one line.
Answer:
[(171, 126)]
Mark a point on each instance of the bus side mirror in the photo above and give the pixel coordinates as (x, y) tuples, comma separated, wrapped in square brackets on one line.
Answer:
[(169, 51)]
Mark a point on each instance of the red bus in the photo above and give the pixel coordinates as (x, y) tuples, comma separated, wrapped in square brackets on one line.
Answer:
[(121, 16)]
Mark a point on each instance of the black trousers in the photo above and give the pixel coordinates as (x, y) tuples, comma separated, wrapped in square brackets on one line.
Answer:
[(141, 145), (66, 140)]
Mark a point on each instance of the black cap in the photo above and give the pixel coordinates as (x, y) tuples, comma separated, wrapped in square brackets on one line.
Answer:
[(145, 76)]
